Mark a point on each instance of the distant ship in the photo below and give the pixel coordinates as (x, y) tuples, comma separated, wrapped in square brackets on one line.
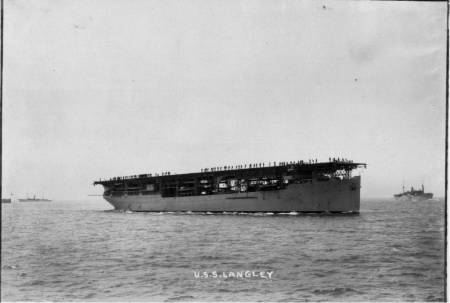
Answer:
[(414, 195), (288, 186), (7, 200), (34, 199)]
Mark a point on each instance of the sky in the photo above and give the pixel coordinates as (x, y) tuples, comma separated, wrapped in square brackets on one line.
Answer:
[(101, 88)]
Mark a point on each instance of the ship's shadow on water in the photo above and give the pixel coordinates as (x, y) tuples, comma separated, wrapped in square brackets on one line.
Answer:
[(241, 214)]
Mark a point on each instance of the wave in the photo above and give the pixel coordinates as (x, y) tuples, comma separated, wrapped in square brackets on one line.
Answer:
[(180, 298), (335, 291), (412, 274)]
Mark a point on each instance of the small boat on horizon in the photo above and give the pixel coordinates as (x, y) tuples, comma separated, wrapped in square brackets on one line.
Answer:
[(34, 199), (7, 200)]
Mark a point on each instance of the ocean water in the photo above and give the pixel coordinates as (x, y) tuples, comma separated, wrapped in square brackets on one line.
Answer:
[(84, 251)]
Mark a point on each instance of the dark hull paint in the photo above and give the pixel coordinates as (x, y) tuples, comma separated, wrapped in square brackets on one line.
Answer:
[(332, 196)]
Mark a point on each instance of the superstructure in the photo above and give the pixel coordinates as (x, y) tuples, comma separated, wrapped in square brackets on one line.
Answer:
[(277, 187)]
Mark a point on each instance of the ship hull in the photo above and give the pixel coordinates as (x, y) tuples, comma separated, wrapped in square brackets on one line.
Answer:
[(423, 197), (316, 196)]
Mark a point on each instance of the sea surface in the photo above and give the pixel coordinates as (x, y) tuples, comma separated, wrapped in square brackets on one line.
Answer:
[(85, 251)]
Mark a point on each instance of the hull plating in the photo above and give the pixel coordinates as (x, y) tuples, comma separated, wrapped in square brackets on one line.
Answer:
[(317, 196)]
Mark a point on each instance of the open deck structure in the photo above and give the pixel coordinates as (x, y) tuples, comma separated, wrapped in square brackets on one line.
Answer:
[(287, 186)]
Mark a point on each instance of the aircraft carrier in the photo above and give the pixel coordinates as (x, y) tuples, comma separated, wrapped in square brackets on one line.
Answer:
[(277, 187)]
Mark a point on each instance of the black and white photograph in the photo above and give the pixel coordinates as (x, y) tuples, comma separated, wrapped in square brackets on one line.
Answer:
[(224, 151)]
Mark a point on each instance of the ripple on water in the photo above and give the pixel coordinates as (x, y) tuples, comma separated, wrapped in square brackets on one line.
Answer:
[(81, 252)]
